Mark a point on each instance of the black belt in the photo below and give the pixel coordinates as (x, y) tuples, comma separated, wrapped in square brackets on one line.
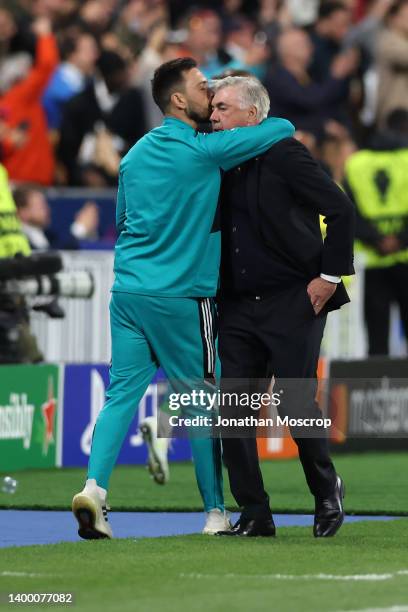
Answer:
[(259, 297), (256, 297)]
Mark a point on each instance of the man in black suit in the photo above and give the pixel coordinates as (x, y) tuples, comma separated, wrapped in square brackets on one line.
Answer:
[(278, 282)]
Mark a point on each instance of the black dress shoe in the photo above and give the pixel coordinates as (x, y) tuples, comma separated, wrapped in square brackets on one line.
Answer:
[(251, 528), (329, 512)]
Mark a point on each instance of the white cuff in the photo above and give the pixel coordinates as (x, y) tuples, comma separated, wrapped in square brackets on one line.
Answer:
[(331, 279), (78, 230)]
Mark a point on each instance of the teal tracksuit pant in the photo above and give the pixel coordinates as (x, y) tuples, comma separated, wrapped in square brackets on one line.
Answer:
[(148, 332)]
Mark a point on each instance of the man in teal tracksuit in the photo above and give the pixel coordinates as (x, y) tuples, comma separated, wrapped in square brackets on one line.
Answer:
[(166, 274)]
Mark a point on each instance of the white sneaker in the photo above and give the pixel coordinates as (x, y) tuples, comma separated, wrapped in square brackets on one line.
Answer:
[(157, 462), (91, 513), (216, 521)]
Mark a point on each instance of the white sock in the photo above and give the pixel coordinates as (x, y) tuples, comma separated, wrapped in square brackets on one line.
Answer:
[(164, 429), (91, 483)]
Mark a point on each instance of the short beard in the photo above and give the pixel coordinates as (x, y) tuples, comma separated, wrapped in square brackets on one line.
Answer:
[(198, 117)]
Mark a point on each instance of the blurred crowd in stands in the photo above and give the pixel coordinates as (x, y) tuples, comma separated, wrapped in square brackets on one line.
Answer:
[(75, 96), (75, 75)]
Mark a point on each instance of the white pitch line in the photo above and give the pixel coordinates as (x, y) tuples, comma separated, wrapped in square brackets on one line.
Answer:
[(28, 575), (391, 609), (338, 577)]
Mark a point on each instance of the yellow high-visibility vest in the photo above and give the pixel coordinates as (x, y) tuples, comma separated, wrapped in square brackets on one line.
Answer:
[(12, 239), (379, 183)]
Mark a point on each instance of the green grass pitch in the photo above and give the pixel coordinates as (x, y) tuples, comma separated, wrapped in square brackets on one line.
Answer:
[(365, 567), (210, 574), (375, 484)]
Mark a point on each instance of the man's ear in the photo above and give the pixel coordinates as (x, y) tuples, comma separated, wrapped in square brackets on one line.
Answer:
[(252, 115), (178, 100), (22, 214)]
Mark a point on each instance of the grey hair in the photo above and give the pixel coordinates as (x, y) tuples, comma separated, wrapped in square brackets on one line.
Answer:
[(251, 93)]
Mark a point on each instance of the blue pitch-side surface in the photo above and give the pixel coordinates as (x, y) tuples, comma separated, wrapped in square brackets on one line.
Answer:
[(27, 527)]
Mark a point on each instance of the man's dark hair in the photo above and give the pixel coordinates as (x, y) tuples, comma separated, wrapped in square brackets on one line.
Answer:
[(168, 78), (328, 8), (69, 43), (67, 47), (22, 194), (110, 63)]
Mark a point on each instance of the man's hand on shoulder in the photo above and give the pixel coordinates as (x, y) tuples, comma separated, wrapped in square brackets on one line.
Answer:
[(320, 291)]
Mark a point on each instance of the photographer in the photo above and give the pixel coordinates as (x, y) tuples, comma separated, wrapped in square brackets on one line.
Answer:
[(17, 344)]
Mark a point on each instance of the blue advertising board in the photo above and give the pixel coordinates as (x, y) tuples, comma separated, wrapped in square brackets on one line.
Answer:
[(84, 395), (66, 203)]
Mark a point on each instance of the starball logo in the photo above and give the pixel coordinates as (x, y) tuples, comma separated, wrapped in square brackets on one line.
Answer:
[(152, 397), (48, 411)]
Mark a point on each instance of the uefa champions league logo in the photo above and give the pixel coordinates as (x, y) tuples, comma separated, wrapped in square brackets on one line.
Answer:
[(148, 406)]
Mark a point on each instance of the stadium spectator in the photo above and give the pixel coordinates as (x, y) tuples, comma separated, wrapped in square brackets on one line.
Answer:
[(61, 13), (204, 43), (302, 12), (364, 33), (13, 61), (35, 216), (294, 95), (8, 30), (244, 47), (31, 158), (229, 10), (97, 15), (328, 35), (79, 57), (377, 181), (238, 49), (17, 343), (220, 35), (52, 9), (392, 62), (161, 46), (274, 17), (101, 124), (137, 21)]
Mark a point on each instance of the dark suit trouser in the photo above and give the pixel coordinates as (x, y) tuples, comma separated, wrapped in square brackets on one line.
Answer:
[(382, 287), (277, 335)]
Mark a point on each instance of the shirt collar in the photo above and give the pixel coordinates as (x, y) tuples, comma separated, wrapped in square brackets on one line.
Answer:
[(105, 99), (177, 123), (35, 236), (73, 75)]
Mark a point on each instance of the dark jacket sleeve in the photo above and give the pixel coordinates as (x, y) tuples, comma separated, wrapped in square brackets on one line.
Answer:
[(77, 118), (70, 141), (312, 187)]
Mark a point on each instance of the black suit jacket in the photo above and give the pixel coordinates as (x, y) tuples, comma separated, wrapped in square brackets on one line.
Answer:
[(285, 191)]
